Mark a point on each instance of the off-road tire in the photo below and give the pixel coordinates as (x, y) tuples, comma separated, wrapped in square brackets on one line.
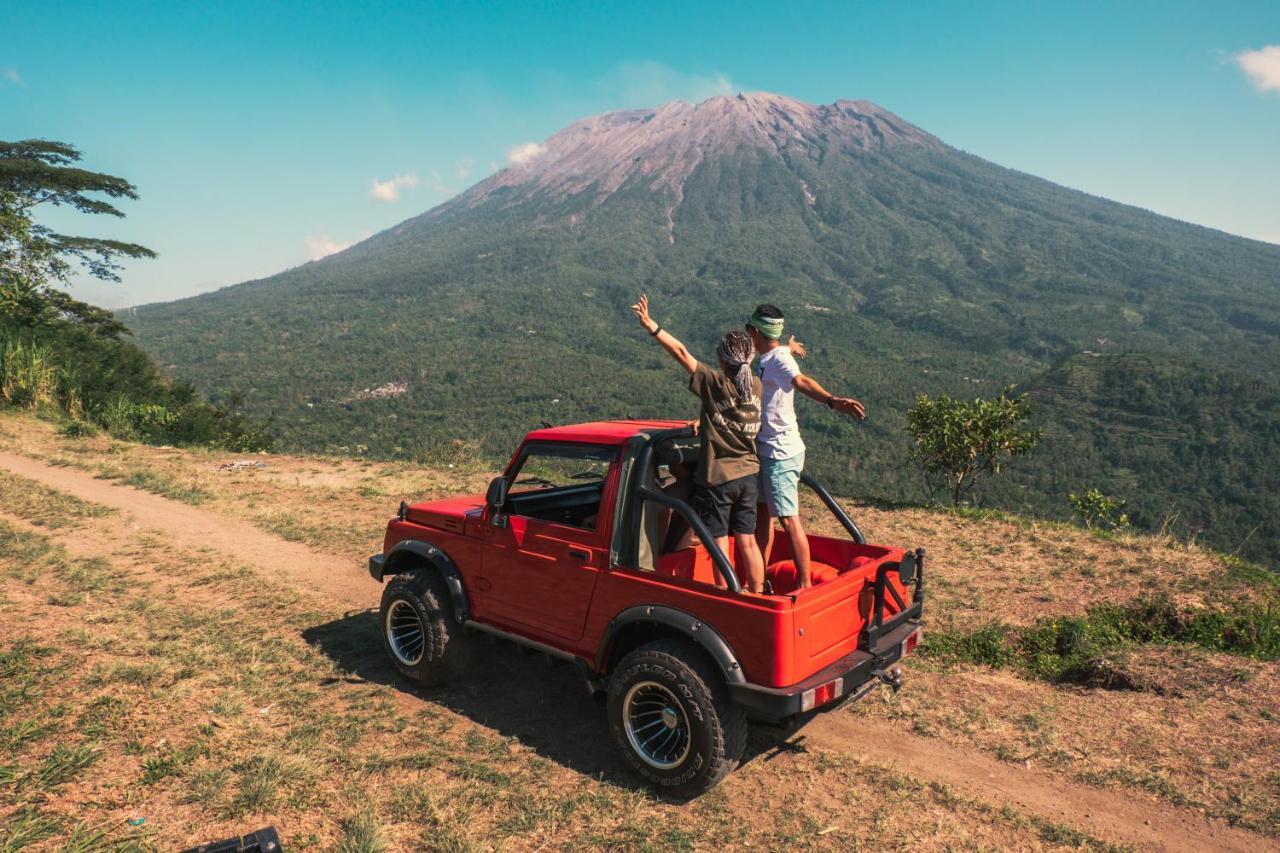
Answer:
[(442, 654), (718, 729)]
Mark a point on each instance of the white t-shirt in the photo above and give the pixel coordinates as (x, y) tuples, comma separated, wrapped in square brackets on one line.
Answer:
[(779, 436)]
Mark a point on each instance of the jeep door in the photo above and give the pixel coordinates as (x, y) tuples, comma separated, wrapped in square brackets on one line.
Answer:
[(542, 557)]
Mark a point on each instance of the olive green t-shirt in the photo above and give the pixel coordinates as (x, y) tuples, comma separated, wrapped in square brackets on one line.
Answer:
[(727, 428)]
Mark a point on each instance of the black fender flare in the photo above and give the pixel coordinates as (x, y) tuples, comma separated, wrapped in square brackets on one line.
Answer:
[(686, 624), (401, 559)]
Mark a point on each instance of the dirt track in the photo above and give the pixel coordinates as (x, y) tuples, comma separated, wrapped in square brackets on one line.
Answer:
[(1109, 814)]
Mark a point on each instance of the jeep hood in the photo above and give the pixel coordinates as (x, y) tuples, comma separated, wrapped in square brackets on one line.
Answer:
[(452, 514)]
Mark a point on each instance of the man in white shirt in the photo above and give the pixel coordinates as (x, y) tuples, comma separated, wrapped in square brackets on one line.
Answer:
[(778, 443)]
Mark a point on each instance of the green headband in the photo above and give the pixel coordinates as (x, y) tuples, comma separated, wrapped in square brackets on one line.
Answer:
[(770, 327)]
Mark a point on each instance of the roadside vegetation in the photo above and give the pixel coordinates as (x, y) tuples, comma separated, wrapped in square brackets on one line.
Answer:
[(1089, 650), (65, 358)]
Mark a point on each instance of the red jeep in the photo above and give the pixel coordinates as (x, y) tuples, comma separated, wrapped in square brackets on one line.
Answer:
[(570, 553)]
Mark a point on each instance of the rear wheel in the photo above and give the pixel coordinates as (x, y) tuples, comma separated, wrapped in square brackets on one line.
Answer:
[(418, 631), (671, 717)]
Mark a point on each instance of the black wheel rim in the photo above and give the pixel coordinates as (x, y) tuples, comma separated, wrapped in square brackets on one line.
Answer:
[(656, 725), (405, 632)]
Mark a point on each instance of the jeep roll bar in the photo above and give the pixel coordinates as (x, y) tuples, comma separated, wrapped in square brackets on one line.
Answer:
[(721, 562), (723, 568), (835, 509)]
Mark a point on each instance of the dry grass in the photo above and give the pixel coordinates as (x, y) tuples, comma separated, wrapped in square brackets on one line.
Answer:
[(338, 504), (32, 501), (170, 698), (196, 669)]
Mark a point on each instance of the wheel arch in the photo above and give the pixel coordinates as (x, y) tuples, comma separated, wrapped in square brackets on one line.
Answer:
[(413, 555), (644, 623)]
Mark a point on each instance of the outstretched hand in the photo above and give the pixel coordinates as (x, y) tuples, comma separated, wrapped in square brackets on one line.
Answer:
[(641, 310), (797, 348), (849, 406)]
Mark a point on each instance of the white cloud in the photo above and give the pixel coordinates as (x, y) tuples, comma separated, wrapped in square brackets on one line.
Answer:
[(12, 75), (389, 190), (520, 155), (1262, 67), (320, 246), (650, 84), (463, 167)]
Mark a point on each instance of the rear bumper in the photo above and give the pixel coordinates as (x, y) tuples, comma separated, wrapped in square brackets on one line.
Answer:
[(857, 669), (377, 563)]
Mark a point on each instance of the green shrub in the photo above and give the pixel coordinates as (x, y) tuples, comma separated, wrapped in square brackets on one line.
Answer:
[(78, 429), (1099, 511)]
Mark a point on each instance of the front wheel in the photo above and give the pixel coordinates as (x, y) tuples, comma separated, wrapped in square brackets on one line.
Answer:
[(671, 717), (418, 631)]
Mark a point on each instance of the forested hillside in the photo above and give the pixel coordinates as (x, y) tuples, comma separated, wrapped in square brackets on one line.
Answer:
[(1190, 447), (908, 266)]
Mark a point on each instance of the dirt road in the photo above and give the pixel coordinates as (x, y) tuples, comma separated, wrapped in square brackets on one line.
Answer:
[(195, 528), (1109, 814)]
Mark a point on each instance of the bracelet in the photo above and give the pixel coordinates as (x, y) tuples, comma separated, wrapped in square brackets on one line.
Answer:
[(655, 332)]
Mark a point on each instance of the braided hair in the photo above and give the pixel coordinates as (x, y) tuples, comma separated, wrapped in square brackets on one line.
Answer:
[(736, 351)]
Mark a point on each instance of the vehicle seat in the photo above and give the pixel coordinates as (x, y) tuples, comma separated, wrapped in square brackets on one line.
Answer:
[(783, 576), (693, 564)]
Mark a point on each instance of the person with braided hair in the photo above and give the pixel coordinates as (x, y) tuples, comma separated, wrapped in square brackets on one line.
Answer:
[(724, 496)]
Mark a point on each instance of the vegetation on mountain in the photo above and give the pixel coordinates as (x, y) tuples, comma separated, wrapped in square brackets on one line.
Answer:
[(1190, 447), (907, 266), (63, 355)]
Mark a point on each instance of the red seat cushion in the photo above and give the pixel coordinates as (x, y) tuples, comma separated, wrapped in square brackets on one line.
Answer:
[(783, 575), (693, 564)]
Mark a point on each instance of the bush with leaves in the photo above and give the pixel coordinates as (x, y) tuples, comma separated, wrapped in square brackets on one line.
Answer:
[(1099, 511), (959, 442)]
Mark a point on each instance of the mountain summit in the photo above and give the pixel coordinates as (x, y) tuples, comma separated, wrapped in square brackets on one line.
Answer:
[(909, 266), (659, 149)]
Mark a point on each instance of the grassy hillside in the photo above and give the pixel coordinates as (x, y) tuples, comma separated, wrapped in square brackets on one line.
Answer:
[(146, 677)]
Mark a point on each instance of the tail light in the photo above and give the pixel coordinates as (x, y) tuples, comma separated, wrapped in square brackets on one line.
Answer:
[(822, 694), (913, 640)]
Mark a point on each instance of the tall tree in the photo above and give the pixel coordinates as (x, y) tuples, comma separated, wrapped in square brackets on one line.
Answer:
[(35, 259)]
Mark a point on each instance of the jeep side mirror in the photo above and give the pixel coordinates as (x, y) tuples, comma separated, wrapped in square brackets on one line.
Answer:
[(497, 494)]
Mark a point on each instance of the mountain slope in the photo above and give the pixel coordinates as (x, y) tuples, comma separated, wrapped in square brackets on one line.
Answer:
[(908, 266)]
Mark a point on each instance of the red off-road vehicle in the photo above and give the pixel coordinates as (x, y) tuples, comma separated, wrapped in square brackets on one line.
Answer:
[(569, 553)]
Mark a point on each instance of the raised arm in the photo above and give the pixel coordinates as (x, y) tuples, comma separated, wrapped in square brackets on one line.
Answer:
[(812, 389), (666, 339)]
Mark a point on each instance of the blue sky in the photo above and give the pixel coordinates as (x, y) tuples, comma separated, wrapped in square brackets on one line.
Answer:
[(255, 132)]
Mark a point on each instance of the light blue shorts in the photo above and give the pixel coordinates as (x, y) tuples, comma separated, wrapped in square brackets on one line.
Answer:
[(780, 484)]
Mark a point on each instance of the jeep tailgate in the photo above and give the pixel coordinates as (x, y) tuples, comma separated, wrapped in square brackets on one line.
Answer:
[(831, 619)]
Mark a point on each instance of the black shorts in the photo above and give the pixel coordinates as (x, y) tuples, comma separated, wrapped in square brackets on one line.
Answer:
[(727, 508)]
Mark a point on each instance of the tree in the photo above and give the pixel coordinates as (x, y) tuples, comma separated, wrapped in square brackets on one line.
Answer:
[(35, 259), (958, 442)]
